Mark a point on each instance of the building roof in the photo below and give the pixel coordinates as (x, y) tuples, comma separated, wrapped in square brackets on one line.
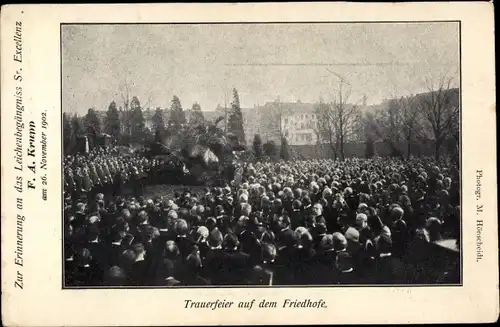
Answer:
[(289, 108)]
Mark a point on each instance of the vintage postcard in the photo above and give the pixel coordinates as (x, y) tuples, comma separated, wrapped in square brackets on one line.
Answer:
[(215, 164)]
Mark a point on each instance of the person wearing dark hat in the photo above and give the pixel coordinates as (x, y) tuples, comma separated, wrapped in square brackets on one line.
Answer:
[(286, 240), (213, 261), (277, 207), (303, 254), (182, 240), (199, 236), (345, 268), (69, 250), (409, 212), (285, 236), (192, 269), (116, 246), (354, 247), (170, 252), (166, 275), (296, 217), (223, 220), (323, 263), (80, 215), (399, 233), (306, 206), (140, 270), (318, 231), (387, 269), (235, 264), (141, 224), (315, 194), (95, 243), (85, 273), (350, 199), (317, 213), (263, 272), (248, 241), (446, 212)]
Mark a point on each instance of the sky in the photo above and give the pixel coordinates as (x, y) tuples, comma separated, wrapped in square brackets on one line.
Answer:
[(203, 63)]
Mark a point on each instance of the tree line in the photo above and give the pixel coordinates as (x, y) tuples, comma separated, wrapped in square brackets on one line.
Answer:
[(128, 124), (426, 119)]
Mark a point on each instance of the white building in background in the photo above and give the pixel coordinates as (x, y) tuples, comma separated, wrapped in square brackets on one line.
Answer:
[(295, 120), (299, 122)]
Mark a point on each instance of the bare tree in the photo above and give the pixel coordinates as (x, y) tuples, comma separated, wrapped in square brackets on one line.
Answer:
[(338, 122), (125, 95), (409, 118), (395, 122), (439, 110), (325, 127), (347, 117), (387, 124), (273, 120)]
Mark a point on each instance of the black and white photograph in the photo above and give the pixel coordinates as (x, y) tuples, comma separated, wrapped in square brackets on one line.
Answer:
[(253, 154)]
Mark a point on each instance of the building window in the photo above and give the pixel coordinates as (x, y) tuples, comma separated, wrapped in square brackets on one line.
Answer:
[(286, 121), (307, 116), (302, 126)]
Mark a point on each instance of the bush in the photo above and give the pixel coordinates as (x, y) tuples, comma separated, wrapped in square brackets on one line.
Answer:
[(369, 148), (284, 151), (257, 146), (270, 149)]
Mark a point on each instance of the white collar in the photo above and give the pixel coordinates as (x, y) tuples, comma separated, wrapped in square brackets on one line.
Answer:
[(117, 243), (382, 255)]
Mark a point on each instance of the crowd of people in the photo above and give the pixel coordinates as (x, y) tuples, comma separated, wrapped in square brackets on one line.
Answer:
[(109, 170), (308, 222)]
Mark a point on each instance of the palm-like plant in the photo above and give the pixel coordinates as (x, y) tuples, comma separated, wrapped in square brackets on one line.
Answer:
[(202, 147)]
